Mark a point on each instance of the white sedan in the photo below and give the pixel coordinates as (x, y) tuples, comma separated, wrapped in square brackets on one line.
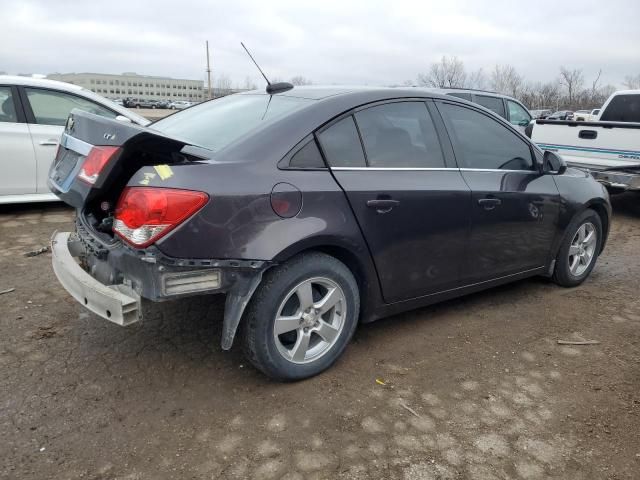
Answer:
[(33, 113)]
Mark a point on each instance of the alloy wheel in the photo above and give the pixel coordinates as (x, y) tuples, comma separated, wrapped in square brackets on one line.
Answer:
[(309, 320), (583, 249)]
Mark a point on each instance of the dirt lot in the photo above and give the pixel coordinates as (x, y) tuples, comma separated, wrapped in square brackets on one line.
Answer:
[(476, 388)]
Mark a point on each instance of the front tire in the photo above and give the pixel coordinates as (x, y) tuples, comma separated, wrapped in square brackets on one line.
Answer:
[(302, 317), (579, 250)]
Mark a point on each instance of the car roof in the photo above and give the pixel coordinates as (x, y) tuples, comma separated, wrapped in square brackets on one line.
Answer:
[(488, 93), (71, 88), (39, 82), (314, 92), (626, 92)]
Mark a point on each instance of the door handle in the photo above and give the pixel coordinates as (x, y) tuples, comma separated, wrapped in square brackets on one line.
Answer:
[(489, 203), (49, 142), (383, 205)]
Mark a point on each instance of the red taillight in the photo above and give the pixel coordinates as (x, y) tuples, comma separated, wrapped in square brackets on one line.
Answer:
[(145, 214), (95, 162)]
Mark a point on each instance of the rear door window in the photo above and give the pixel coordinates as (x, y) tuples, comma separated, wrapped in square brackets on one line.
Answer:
[(517, 114), (52, 107), (341, 144), (7, 107), (494, 104), (622, 108), (400, 135), (481, 142)]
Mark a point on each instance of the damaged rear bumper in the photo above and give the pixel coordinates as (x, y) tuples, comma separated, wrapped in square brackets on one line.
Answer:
[(113, 280), (116, 303)]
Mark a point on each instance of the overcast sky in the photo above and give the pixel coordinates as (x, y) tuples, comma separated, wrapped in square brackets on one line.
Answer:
[(347, 42)]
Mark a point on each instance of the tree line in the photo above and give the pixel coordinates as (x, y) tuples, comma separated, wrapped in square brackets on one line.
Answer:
[(569, 91)]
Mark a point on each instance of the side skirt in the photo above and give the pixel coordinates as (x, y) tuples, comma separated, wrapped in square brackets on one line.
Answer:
[(387, 310)]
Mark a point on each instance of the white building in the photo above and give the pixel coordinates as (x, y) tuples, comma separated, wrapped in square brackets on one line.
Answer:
[(132, 85)]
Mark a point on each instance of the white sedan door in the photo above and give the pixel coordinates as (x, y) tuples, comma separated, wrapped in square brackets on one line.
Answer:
[(50, 109), (17, 158)]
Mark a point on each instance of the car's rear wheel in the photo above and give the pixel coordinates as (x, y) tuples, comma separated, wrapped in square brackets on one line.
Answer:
[(579, 250), (301, 317)]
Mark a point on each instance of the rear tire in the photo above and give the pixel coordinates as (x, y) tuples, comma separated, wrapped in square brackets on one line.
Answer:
[(579, 250), (302, 317)]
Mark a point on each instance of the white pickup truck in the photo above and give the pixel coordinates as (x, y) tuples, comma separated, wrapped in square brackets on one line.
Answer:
[(608, 148)]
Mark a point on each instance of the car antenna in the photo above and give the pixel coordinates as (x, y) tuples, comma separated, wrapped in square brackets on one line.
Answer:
[(271, 87)]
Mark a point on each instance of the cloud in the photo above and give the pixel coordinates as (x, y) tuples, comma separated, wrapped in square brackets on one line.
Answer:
[(374, 42)]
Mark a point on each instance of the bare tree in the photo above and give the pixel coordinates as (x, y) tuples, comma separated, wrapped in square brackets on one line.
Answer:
[(632, 82), (594, 85), (300, 80), (572, 80), (447, 73), (223, 84), (505, 79), (249, 84), (477, 80)]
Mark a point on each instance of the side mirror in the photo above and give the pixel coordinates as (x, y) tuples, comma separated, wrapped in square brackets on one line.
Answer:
[(524, 123), (122, 118), (553, 163)]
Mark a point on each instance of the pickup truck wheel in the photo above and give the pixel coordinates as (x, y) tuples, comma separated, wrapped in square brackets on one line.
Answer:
[(301, 317), (579, 250)]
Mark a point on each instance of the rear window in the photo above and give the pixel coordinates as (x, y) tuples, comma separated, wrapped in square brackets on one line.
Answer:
[(622, 108), (217, 123)]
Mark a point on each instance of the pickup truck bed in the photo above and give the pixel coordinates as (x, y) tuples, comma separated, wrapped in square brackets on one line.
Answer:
[(609, 150)]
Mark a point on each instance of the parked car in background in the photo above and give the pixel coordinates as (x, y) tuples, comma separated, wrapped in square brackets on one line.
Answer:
[(507, 107), (315, 209), (129, 102), (147, 103), (561, 115), (540, 113), (140, 103), (582, 115), (118, 101), (33, 113), (163, 104), (180, 105), (609, 149), (543, 113)]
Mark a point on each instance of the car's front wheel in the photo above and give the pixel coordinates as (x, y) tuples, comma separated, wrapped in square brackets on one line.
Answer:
[(301, 317), (579, 250)]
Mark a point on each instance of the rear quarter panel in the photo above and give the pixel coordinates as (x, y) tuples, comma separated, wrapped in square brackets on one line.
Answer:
[(239, 222)]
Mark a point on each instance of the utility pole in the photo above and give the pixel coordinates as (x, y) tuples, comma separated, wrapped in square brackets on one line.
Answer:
[(209, 72)]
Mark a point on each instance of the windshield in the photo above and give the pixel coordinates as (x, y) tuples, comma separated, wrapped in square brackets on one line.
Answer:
[(217, 123)]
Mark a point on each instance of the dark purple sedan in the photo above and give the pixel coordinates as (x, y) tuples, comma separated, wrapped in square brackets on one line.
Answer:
[(313, 210)]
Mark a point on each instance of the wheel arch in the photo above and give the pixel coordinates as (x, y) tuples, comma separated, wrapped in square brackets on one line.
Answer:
[(355, 257), (598, 206)]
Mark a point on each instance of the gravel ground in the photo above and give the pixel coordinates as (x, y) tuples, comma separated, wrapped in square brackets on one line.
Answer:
[(475, 388)]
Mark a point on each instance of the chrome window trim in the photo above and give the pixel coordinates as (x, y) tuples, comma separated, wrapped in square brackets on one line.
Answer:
[(438, 169), (495, 170), (402, 169)]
